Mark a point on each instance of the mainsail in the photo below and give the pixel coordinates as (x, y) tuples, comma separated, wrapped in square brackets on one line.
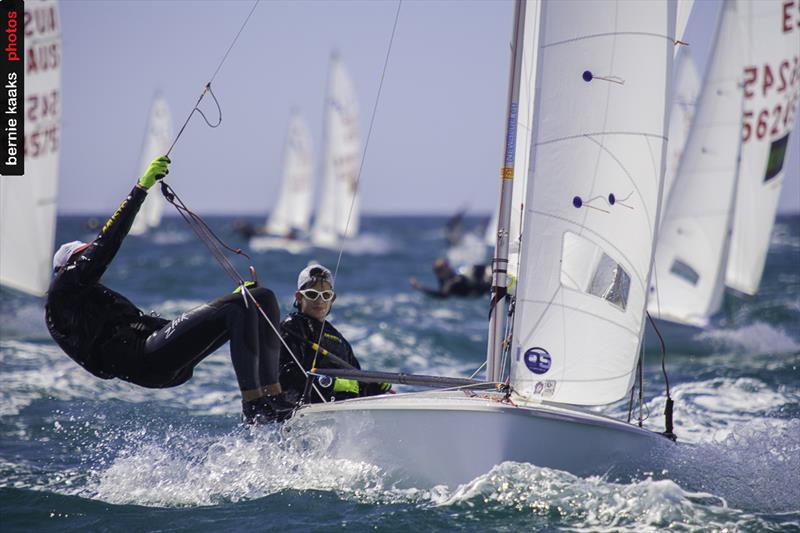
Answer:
[(688, 280), (341, 161), (593, 197), (771, 71), (156, 143), (293, 208), (28, 203), (686, 86)]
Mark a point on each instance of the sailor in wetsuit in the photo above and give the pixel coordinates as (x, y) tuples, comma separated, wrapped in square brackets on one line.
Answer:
[(112, 338), (301, 332), (454, 284)]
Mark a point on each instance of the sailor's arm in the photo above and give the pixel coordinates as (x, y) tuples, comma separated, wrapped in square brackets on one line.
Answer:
[(96, 258)]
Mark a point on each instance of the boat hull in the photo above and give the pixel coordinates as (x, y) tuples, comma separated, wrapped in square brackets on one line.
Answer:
[(451, 438), (260, 243)]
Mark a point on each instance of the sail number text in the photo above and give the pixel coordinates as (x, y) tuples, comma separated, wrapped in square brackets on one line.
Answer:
[(768, 82)]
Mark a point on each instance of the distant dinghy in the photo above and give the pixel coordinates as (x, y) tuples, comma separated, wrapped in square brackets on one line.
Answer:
[(338, 213), (694, 237), (287, 225), (156, 142)]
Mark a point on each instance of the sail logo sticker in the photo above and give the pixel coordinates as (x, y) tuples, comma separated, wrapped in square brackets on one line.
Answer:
[(537, 360)]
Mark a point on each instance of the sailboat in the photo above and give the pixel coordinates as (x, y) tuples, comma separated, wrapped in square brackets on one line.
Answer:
[(695, 231), (28, 203), (771, 90), (287, 225), (156, 142), (695, 239), (338, 215), (597, 153)]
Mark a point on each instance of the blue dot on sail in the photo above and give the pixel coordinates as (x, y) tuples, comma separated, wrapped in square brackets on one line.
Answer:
[(587, 75), (612, 199), (577, 202)]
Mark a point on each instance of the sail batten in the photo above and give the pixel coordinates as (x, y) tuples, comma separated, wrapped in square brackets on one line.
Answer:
[(594, 185)]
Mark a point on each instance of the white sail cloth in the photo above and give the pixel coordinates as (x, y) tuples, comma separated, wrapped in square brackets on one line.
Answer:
[(693, 243), (293, 209), (156, 143), (686, 86), (28, 203), (771, 35), (593, 197), (338, 211)]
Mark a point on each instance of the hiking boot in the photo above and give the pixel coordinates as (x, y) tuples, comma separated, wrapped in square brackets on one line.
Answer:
[(267, 409)]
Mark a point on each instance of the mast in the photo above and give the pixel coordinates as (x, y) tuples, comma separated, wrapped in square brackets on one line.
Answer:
[(498, 311)]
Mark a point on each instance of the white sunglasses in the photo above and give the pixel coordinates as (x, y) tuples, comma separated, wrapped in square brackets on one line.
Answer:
[(312, 295)]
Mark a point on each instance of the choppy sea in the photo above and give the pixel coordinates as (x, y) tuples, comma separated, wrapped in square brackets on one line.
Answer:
[(82, 454)]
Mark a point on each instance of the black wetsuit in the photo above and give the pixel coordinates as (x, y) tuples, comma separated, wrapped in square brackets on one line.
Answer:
[(110, 337), (461, 285), (299, 331)]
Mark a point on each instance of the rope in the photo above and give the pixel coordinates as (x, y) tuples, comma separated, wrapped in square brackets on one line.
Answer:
[(207, 87)]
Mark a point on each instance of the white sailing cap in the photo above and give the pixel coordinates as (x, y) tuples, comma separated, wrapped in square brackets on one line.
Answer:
[(66, 251), (314, 271)]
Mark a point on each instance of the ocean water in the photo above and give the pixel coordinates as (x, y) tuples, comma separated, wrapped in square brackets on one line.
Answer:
[(82, 454)]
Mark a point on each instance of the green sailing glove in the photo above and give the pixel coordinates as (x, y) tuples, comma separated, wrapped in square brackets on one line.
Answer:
[(157, 170)]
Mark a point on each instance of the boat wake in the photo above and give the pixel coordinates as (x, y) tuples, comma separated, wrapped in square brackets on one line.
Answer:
[(755, 338), (187, 467), (368, 244)]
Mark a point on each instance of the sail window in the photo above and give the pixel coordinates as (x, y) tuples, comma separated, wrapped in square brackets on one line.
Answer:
[(684, 271), (777, 153), (585, 267)]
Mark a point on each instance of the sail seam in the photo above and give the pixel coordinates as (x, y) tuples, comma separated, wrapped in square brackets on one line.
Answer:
[(609, 34), (600, 133)]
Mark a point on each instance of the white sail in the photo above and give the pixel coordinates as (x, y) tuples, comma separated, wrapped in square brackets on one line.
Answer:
[(293, 209), (341, 161), (593, 197), (156, 143), (693, 242), (28, 203), (686, 86), (771, 36)]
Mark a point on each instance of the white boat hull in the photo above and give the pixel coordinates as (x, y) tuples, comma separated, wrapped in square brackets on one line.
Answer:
[(261, 243), (427, 439)]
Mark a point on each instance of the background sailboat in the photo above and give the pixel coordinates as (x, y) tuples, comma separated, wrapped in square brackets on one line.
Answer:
[(771, 91), (597, 160), (28, 203), (338, 212), (694, 237), (287, 225), (156, 142)]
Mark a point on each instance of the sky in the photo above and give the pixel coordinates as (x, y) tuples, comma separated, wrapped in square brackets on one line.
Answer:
[(437, 140)]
